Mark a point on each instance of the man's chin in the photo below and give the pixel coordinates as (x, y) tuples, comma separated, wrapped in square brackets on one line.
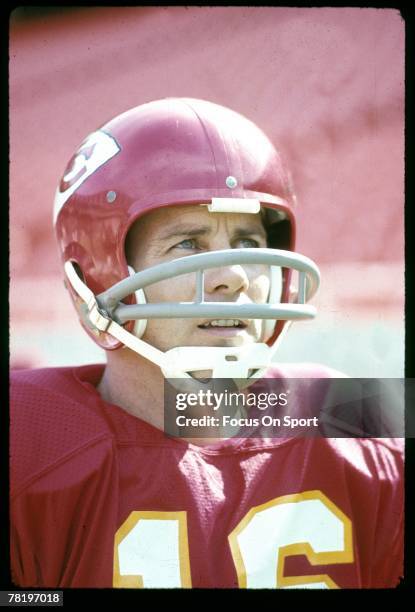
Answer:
[(203, 376), (242, 339)]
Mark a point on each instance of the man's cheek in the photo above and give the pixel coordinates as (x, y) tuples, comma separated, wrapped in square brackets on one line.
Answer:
[(260, 290), (260, 284), (162, 291)]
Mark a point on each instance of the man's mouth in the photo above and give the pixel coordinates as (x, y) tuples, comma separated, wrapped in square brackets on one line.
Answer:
[(223, 323)]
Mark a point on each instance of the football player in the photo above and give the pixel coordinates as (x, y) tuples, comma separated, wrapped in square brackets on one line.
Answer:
[(176, 228)]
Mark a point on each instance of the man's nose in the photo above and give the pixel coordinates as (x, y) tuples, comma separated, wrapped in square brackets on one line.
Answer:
[(227, 280)]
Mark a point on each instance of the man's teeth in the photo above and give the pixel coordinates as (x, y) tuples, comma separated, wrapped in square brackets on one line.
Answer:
[(223, 323)]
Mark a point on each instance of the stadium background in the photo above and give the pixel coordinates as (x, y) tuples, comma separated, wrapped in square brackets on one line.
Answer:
[(327, 84)]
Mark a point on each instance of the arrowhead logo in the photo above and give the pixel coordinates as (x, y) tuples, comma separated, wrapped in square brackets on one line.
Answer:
[(96, 149)]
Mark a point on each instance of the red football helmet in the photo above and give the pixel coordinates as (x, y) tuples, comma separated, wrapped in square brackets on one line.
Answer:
[(170, 152)]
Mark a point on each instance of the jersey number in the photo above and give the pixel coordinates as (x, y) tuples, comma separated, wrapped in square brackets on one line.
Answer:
[(151, 548)]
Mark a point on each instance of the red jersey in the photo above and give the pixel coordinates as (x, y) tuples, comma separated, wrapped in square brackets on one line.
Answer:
[(100, 498)]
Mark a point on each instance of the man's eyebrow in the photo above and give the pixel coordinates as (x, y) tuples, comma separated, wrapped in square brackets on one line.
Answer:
[(202, 230), (249, 231), (184, 230)]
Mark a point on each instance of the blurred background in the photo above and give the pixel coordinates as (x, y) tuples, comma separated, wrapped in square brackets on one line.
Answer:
[(326, 84)]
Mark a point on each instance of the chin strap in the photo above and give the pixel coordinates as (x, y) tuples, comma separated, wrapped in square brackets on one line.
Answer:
[(104, 324), (231, 362)]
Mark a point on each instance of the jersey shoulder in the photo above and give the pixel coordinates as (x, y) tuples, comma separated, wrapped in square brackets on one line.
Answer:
[(382, 457), (52, 417)]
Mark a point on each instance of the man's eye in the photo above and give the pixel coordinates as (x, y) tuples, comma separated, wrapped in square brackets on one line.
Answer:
[(189, 243), (246, 243)]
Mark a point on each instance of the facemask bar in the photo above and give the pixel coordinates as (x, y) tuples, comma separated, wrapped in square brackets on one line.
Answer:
[(243, 364), (309, 279)]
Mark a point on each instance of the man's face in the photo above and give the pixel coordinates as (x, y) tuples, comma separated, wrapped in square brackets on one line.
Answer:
[(174, 232)]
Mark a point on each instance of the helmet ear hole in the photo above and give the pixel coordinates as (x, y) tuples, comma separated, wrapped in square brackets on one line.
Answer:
[(78, 270), (279, 235), (141, 324)]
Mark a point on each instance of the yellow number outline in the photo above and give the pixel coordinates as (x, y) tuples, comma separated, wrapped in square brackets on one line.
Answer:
[(300, 548), (136, 581)]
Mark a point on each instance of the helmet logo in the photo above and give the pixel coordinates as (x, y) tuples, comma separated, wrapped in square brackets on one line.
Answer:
[(97, 149), (231, 182), (76, 167)]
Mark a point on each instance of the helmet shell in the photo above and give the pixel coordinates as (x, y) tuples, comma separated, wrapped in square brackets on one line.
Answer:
[(169, 152)]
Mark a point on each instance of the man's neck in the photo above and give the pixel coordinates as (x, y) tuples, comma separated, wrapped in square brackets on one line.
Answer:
[(137, 386)]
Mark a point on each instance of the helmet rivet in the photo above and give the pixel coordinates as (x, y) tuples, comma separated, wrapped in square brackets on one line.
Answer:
[(231, 182), (111, 196)]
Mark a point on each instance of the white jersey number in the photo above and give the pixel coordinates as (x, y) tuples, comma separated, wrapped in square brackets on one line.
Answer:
[(151, 548), (303, 524)]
